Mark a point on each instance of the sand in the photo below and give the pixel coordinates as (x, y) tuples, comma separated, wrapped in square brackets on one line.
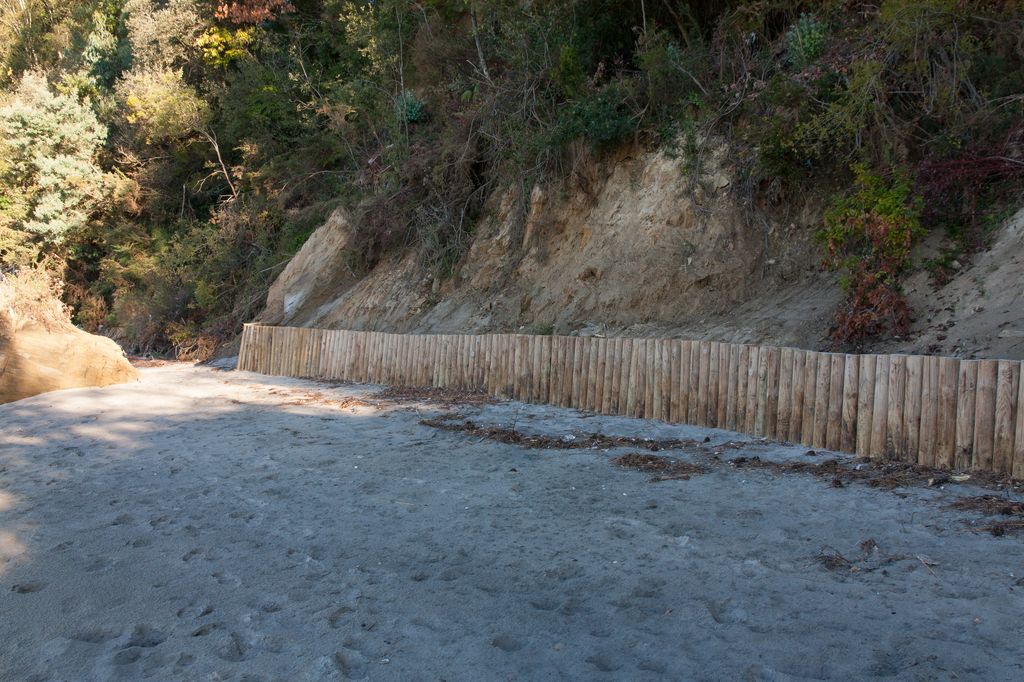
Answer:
[(211, 525)]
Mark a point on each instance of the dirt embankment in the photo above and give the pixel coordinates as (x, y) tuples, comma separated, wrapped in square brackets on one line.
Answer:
[(638, 246)]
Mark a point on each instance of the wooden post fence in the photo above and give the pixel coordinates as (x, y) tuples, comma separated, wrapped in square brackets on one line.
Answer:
[(933, 411)]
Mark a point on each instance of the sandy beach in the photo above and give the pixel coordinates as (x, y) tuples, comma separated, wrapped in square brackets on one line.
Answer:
[(216, 525)]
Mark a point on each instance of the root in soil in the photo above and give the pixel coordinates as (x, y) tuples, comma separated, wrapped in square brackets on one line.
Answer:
[(592, 441), (663, 468)]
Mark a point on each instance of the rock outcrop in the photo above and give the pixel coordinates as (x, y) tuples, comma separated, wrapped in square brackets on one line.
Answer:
[(315, 275), (633, 244), (639, 245), (37, 358)]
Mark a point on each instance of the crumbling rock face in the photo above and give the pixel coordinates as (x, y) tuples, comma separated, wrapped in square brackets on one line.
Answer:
[(318, 272), (37, 358), (634, 244)]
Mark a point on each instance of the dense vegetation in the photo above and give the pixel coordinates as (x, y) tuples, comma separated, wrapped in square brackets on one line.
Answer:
[(167, 156)]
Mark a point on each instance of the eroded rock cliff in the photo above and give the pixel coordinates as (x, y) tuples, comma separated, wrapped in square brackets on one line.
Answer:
[(638, 245)]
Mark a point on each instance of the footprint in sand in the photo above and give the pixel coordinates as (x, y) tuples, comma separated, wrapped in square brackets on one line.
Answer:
[(350, 663), (334, 620), (226, 579), (206, 629), (604, 663), (28, 588), (94, 635), (506, 643), (230, 646), (127, 656), (145, 637)]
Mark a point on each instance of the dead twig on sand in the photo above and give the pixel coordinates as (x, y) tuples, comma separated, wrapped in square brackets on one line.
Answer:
[(993, 505), (665, 469), (874, 473), (592, 441), (447, 397)]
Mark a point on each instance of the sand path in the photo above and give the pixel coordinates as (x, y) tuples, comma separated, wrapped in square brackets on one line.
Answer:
[(205, 525)]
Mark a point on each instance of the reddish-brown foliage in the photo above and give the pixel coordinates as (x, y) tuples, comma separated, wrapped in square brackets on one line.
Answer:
[(252, 11), (873, 306), (961, 180)]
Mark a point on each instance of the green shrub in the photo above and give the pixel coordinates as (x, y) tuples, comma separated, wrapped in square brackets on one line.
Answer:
[(602, 118), (868, 236), (409, 108), (805, 40)]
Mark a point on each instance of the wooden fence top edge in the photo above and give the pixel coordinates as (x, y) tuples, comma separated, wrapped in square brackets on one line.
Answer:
[(643, 338)]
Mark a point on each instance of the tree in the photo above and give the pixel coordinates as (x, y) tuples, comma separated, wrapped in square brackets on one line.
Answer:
[(165, 109), (52, 178)]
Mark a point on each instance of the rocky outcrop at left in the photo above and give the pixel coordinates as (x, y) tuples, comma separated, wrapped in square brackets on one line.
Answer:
[(41, 351), (35, 359)]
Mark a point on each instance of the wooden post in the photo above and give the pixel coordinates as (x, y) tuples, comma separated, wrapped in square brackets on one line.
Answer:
[(524, 378), (648, 359), (674, 362), (629, 379), (929, 412), (512, 365), (771, 392), (594, 375), (912, 408), (753, 369), (1018, 439), (895, 441), (613, 355), (603, 375), (579, 359), (742, 373), (557, 373), (821, 396), (711, 418), (534, 353), (693, 386), (764, 362), (722, 399), (570, 370), (945, 431), (663, 374), (656, 392), (547, 349), (609, 368), (1007, 386), (848, 407), (985, 414), (811, 360), (880, 412), (732, 384), (833, 434), (784, 412), (451, 362), (641, 357), (865, 403)]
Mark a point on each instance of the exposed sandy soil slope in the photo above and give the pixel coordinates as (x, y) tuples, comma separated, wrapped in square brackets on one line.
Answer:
[(633, 246), (208, 525)]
